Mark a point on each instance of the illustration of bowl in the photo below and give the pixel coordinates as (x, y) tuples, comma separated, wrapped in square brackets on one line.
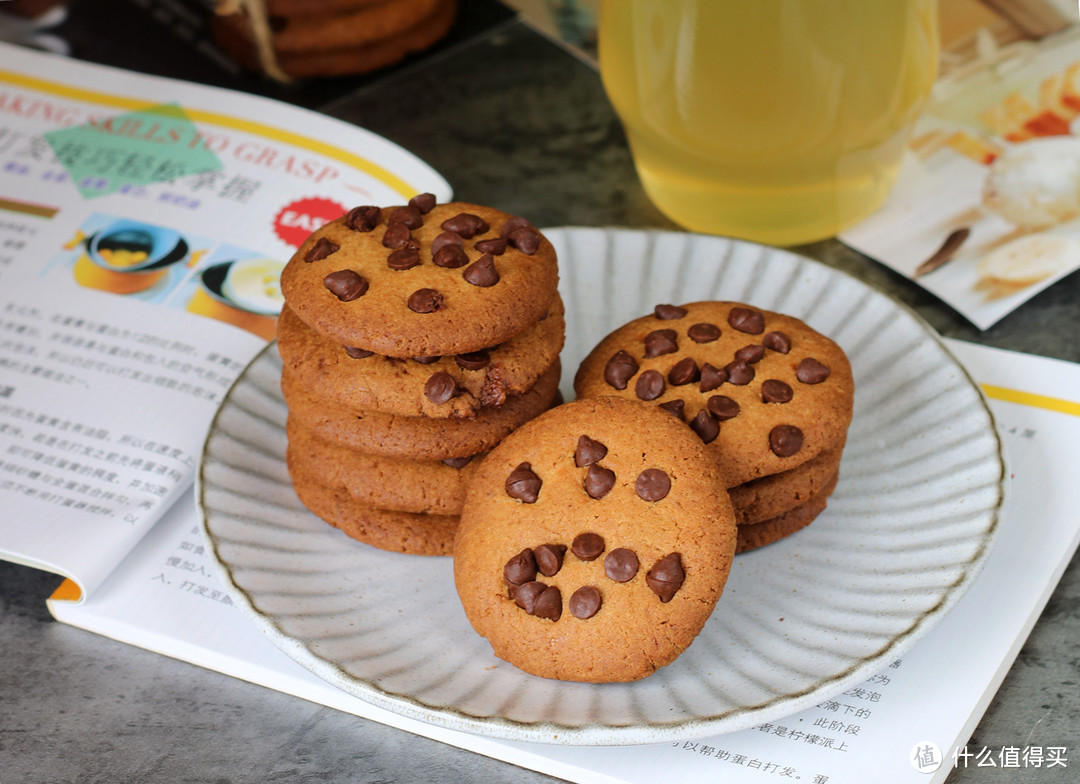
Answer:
[(245, 293), (128, 257)]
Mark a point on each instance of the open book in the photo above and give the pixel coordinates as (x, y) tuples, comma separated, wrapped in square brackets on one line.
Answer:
[(140, 225)]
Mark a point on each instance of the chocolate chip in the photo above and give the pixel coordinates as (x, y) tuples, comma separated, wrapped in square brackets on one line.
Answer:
[(746, 320), (666, 576), (423, 202), (473, 360), (652, 484), (525, 595), (521, 568), (750, 354), (588, 452), (684, 372), (346, 285), (426, 360), (785, 440), (661, 341), (598, 481), (458, 462), (585, 602), (810, 371), (722, 407), (363, 218), (620, 369), (669, 312), (777, 341), (706, 426), (358, 353), (527, 240), (513, 224), (321, 249), (587, 546), (482, 272), (712, 377), (450, 256), (621, 565), (774, 390), (397, 234), (440, 388), (650, 385), (549, 558), (523, 484), (403, 259), (676, 407), (739, 372), (425, 301), (703, 333), (495, 246), (410, 216), (548, 604), (465, 224), (444, 239)]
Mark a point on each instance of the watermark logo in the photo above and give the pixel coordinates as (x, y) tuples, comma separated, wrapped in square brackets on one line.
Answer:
[(925, 757)]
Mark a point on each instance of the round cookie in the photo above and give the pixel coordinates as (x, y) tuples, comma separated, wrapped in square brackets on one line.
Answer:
[(769, 496), (418, 438), (763, 390), (751, 537), (234, 35), (422, 280), (360, 26), (454, 386), (400, 532), (391, 483), (594, 542)]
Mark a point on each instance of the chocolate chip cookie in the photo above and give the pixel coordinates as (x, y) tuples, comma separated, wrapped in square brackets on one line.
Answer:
[(423, 279), (452, 386), (401, 532), (762, 390), (418, 438), (391, 483), (594, 542)]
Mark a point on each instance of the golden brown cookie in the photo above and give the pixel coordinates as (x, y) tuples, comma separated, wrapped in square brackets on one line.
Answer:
[(766, 532), (418, 438), (234, 35), (769, 496), (763, 390), (454, 386), (422, 280), (392, 483), (594, 542), (401, 532)]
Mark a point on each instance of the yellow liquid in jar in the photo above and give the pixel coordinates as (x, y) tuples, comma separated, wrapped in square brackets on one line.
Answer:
[(779, 121)]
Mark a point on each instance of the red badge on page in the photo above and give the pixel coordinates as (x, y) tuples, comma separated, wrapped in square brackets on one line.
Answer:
[(295, 222)]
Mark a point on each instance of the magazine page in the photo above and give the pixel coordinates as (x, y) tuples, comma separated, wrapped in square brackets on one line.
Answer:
[(986, 211), (143, 224), (900, 725)]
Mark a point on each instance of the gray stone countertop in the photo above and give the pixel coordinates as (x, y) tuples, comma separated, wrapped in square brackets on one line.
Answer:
[(513, 120)]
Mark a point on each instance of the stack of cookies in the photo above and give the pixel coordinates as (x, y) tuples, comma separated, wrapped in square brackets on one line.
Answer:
[(313, 38), (769, 396), (413, 339)]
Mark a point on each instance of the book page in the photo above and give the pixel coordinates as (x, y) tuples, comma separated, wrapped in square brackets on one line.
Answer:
[(985, 213), (900, 725), (143, 225)]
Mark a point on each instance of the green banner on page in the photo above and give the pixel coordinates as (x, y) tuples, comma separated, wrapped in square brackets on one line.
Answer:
[(157, 144)]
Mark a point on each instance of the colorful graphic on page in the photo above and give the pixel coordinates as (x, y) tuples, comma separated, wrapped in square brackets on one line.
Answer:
[(986, 212), (160, 265)]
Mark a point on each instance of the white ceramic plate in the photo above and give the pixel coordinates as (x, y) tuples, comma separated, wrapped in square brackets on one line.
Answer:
[(907, 529)]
